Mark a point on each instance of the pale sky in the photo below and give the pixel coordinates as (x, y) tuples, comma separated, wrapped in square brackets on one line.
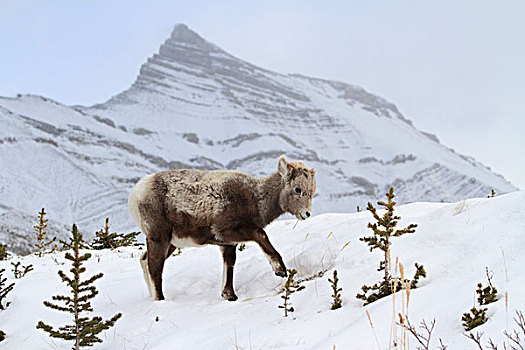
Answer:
[(455, 68)]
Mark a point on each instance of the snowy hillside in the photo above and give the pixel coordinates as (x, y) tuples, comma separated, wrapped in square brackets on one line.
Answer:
[(455, 242), (195, 105)]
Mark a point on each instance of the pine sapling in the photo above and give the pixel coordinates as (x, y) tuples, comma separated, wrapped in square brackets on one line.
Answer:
[(420, 272), (68, 245), (3, 294), (3, 252), (487, 295), (515, 339), (44, 241), (337, 303), (383, 230), (242, 246), (477, 318), (290, 286), (84, 330), (19, 273), (492, 194), (111, 240), (4, 290)]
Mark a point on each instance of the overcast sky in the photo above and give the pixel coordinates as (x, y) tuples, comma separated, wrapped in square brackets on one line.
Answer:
[(455, 68)]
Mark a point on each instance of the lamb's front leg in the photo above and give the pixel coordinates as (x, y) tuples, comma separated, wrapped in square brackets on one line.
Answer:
[(273, 256), (229, 257)]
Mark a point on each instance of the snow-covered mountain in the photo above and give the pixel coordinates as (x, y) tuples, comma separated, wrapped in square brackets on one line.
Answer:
[(195, 105), (455, 242)]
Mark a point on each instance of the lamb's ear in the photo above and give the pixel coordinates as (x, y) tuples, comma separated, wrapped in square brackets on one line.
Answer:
[(283, 167)]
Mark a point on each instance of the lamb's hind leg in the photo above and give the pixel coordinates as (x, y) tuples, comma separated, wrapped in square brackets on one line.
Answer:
[(157, 253), (229, 256), (145, 269)]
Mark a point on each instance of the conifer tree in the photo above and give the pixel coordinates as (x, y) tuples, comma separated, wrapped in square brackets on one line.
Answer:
[(383, 230), (478, 318), (84, 330), (19, 273), (43, 240), (290, 286), (3, 294), (4, 290), (486, 296), (68, 245), (3, 252), (104, 239), (337, 303)]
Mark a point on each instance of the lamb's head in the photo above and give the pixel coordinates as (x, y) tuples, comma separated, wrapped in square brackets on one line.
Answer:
[(299, 188)]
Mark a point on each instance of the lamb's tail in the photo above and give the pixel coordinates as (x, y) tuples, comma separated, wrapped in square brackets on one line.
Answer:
[(141, 190)]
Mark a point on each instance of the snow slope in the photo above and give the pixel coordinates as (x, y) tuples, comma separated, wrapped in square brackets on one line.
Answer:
[(454, 241)]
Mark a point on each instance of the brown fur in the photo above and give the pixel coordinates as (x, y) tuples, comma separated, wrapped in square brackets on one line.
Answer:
[(195, 207)]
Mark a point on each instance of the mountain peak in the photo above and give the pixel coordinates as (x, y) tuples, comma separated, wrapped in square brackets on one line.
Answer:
[(183, 34)]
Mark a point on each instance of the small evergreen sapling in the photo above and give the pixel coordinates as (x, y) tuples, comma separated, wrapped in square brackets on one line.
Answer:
[(19, 273), (290, 286), (477, 318), (337, 303), (3, 294), (515, 337), (68, 245), (383, 231), (84, 330), (3, 252), (104, 239), (44, 241), (487, 295), (4, 290)]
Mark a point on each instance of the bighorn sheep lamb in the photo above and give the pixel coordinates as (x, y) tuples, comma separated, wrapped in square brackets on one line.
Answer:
[(181, 208)]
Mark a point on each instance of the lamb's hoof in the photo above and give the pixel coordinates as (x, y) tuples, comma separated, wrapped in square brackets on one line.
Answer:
[(229, 295), (281, 273)]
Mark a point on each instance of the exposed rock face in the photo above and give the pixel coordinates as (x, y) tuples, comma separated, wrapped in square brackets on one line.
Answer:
[(195, 105)]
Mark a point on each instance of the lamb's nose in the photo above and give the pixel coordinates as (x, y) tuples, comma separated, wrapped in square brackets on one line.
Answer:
[(307, 214)]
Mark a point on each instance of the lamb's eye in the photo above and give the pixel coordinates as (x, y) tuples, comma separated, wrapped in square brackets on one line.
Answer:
[(297, 190)]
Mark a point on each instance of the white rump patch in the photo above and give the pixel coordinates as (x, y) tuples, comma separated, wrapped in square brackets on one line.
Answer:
[(137, 194)]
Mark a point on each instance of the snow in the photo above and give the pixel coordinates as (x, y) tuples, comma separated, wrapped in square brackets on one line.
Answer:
[(454, 241)]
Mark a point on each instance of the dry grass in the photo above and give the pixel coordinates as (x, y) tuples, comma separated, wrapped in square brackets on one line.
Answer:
[(460, 207), (373, 329)]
